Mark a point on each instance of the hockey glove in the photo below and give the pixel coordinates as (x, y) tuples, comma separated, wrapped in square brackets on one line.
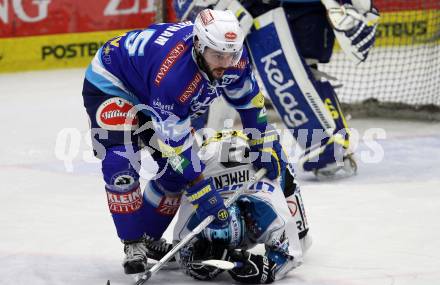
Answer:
[(192, 254), (354, 30), (188, 10), (256, 269), (270, 154), (208, 201)]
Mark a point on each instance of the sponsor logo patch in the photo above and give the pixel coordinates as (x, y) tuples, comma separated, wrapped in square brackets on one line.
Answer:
[(116, 114), (124, 203), (258, 100), (190, 90), (123, 180), (241, 65), (178, 163), (230, 36), (223, 215), (282, 84), (293, 208), (168, 205), (169, 61)]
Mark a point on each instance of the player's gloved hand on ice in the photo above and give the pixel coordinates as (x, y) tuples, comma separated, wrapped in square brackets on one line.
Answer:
[(271, 155), (256, 269), (208, 202), (355, 30), (193, 253)]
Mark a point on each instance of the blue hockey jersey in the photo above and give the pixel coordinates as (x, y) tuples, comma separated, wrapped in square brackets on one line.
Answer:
[(156, 69)]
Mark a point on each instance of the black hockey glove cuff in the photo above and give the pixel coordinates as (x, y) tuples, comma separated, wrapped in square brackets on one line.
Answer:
[(193, 253), (256, 269)]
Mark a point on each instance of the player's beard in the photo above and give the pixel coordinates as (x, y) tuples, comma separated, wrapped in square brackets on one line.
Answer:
[(218, 72)]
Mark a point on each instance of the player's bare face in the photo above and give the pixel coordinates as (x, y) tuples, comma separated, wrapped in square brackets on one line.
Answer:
[(218, 62)]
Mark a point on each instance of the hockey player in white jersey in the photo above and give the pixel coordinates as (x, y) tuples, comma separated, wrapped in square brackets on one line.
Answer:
[(270, 213)]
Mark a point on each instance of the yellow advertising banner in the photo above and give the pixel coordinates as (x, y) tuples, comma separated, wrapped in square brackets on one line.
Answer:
[(77, 49), (408, 28), (51, 51)]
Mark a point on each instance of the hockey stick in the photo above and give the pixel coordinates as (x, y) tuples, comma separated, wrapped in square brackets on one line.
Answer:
[(218, 263), (147, 274)]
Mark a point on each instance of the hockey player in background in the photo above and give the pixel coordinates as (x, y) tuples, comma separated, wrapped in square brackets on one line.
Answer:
[(141, 89), (260, 216), (287, 39)]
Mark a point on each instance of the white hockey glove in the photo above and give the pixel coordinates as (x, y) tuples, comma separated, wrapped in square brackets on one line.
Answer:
[(354, 30), (244, 17), (188, 10)]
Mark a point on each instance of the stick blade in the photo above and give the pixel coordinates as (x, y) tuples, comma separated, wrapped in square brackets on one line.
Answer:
[(222, 264)]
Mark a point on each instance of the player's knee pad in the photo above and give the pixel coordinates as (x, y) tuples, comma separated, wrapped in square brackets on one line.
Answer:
[(123, 191)]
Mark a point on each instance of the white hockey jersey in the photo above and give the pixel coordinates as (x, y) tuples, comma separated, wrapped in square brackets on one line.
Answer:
[(267, 218)]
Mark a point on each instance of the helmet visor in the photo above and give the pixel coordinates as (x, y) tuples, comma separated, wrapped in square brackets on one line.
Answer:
[(221, 59)]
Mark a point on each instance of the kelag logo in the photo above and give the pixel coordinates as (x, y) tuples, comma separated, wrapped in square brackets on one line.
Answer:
[(73, 50), (294, 117)]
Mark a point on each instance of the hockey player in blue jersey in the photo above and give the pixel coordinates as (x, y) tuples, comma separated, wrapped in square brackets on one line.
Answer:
[(142, 89), (287, 39)]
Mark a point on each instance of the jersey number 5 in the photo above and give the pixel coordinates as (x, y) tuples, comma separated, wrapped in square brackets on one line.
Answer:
[(135, 42)]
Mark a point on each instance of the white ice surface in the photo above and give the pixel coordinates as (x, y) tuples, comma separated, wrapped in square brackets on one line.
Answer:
[(380, 227)]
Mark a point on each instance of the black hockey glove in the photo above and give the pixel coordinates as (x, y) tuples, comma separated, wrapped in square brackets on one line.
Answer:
[(256, 269), (201, 250)]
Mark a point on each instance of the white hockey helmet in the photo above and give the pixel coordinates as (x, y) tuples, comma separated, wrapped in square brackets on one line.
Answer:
[(220, 31)]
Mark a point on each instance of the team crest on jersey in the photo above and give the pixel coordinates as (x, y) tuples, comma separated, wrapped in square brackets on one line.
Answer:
[(116, 114)]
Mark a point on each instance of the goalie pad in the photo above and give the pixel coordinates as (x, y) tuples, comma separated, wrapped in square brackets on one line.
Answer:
[(332, 157), (287, 79), (308, 107)]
